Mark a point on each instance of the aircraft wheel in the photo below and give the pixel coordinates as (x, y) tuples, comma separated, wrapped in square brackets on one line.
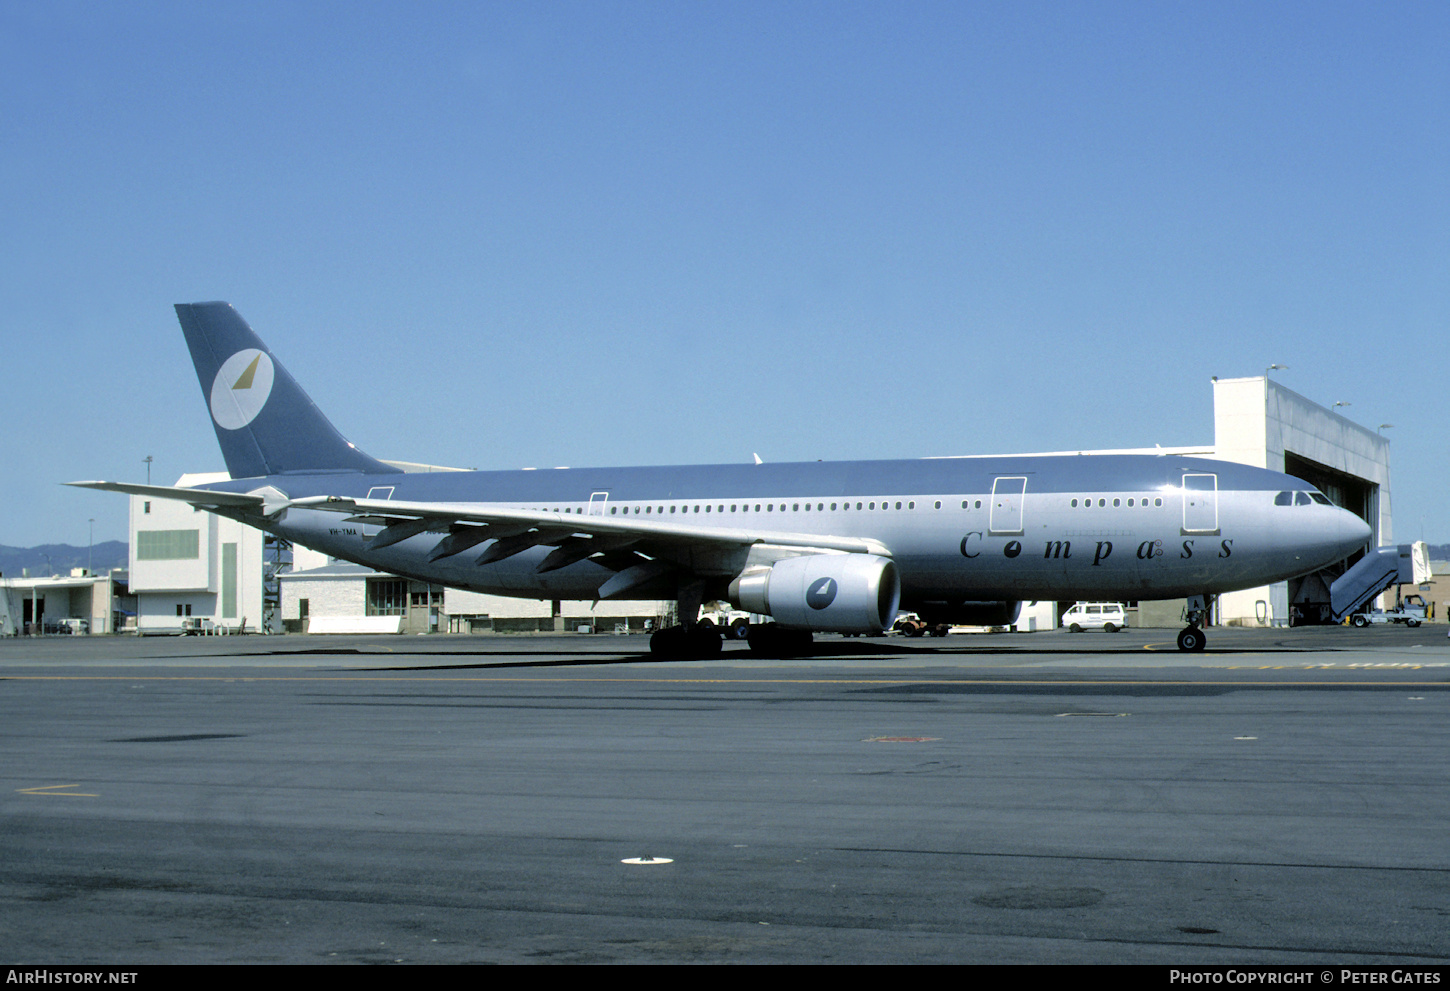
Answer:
[(704, 642), (669, 642), (762, 640), (677, 643), (1191, 639), (1360, 621)]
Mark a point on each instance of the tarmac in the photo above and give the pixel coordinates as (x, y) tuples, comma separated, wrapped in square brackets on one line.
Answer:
[(1281, 798)]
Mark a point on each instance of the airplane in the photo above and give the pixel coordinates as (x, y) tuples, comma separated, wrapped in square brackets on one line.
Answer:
[(817, 547)]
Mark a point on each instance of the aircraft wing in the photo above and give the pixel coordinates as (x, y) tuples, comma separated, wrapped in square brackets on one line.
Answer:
[(615, 542)]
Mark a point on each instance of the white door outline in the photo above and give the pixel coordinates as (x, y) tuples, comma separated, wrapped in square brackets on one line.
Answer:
[(1200, 503), (1005, 515)]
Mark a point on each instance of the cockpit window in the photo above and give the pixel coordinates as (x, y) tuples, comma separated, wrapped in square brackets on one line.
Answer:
[(1301, 499)]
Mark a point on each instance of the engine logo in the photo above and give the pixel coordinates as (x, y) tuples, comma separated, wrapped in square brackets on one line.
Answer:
[(241, 388), (821, 593)]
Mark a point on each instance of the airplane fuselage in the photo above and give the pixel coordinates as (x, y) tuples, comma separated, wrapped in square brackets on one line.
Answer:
[(1058, 527)]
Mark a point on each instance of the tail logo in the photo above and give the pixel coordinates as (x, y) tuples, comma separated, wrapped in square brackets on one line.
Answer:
[(241, 388)]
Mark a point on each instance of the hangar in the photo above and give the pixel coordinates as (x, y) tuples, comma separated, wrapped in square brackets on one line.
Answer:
[(80, 602), (1259, 422), (190, 568)]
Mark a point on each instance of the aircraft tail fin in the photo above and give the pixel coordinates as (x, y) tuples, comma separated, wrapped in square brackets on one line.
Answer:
[(265, 423)]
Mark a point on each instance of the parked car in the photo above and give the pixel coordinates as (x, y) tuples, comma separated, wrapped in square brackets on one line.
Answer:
[(1109, 617)]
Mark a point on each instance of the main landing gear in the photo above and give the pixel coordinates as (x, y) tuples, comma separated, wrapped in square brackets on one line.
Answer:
[(692, 640), (1192, 638), (702, 640)]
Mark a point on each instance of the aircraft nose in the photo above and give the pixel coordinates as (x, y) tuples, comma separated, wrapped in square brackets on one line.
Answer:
[(1352, 533)]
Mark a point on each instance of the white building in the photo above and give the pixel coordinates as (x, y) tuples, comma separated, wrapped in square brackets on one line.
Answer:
[(79, 603), (190, 569), (476, 612)]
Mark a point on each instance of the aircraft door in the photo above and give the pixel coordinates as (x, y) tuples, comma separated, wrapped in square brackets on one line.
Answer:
[(597, 502), (1200, 503), (1005, 516)]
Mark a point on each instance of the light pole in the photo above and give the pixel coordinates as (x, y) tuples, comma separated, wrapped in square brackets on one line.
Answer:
[(1275, 368), (148, 459), (91, 550)]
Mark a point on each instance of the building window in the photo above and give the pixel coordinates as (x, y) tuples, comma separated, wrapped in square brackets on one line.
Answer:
[(229, 581), (387, 597), (168, 545)]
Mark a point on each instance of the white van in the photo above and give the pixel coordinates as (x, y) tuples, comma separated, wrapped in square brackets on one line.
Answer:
[(1108, 616)]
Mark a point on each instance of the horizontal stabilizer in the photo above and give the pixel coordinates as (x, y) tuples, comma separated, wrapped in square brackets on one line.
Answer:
[(197, 497)]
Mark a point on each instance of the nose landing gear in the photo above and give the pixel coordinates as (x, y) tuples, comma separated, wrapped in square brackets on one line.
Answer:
[(1192, 638)]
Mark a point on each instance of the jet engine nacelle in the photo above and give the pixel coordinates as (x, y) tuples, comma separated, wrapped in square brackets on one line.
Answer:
[(833, 593)]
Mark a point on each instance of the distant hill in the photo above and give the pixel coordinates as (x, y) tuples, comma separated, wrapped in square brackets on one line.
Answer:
[(58, 559)]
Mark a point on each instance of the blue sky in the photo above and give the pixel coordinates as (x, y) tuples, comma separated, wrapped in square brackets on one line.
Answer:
[(538, 234)]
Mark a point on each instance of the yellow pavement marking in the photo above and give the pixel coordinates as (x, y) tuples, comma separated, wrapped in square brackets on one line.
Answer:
[(51, 790)]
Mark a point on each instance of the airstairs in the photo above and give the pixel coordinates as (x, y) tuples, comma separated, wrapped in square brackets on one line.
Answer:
[(1375, 572)]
